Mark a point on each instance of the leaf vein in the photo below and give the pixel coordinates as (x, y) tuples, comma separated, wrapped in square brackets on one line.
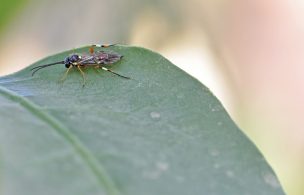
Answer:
[(88, 158)]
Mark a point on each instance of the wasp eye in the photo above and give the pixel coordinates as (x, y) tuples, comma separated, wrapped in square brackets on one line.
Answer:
[(67, 65), (67, 60)]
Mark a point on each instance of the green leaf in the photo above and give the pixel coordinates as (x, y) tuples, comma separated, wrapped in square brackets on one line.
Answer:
[(160, 133)]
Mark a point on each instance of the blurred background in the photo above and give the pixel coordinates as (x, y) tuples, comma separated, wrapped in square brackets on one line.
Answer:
[(249, 53)]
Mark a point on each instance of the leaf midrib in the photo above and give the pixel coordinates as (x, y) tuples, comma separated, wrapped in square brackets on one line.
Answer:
[(80, 149)]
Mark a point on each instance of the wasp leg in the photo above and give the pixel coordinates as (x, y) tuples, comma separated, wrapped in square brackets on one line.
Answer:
[(103, 68), (96, 68), (83, 76), (65, 74), (91, 49), (104, 46)]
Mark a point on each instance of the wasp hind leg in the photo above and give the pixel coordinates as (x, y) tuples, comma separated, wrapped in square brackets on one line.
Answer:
[(104, 68), (91, 49), (104, 45)]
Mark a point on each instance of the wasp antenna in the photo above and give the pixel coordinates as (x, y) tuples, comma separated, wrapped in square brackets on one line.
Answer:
[(35, 69), (46, 65)]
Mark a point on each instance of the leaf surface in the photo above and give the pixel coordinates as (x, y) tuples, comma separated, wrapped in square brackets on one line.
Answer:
[(162, 132)]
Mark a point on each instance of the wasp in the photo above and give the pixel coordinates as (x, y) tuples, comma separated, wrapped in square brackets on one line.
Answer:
[(96, 59)]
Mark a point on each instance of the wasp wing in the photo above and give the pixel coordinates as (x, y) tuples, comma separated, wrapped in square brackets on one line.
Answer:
[(108, 58), (86, 59), (101, 57)]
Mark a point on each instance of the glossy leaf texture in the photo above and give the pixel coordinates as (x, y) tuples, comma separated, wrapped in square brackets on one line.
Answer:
[(160, 133)]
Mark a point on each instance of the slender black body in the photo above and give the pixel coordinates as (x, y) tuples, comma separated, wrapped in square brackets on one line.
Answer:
[(96, 59)]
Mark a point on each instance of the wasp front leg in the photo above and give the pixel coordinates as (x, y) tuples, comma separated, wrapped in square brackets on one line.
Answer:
[(66, 74)]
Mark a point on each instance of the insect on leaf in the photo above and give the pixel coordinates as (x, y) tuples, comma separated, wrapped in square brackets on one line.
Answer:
[(160, 132)]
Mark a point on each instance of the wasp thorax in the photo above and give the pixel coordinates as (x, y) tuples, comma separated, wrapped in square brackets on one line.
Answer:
[(71, 60)]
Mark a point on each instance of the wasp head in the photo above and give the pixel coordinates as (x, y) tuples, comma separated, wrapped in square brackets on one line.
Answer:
[(71, 60)]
